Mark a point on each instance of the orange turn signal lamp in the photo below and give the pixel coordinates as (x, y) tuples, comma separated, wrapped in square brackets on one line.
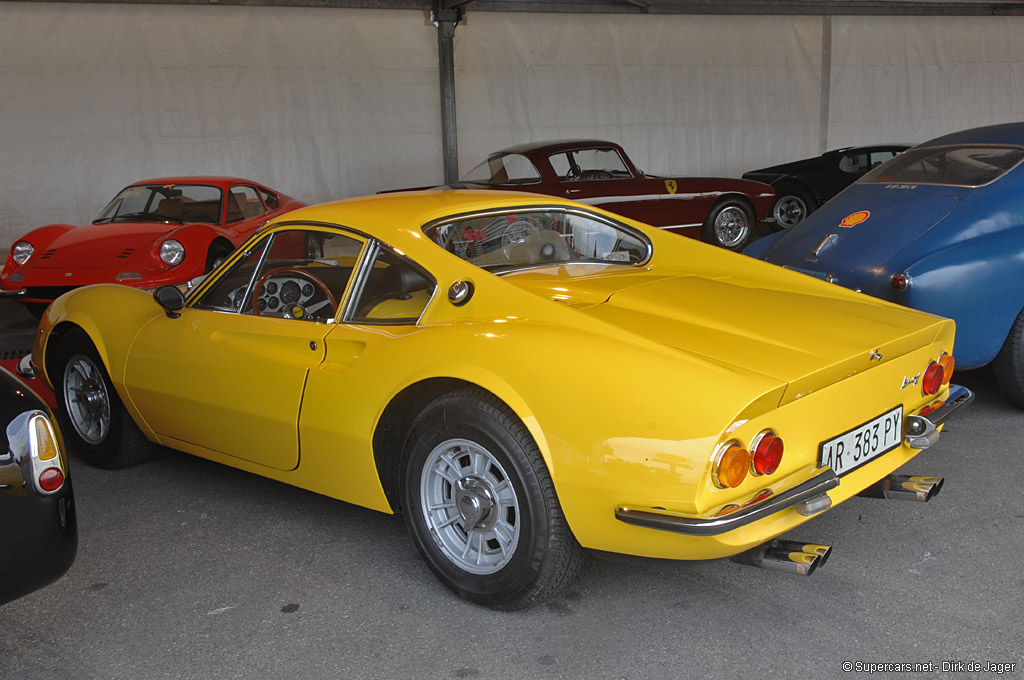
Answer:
[(733, 462)]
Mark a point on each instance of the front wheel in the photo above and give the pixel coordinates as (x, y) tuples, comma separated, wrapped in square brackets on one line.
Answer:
[(729, 225), (92, 415), (481, 506)]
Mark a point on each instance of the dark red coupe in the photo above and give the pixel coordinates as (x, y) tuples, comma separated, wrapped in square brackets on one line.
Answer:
[(155, 232), (719, 210)]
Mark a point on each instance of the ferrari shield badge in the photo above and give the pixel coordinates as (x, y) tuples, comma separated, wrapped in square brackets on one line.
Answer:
[(670, 184), (855, 219)]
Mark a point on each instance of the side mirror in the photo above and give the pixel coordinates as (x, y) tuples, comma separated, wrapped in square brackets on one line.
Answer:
[(171, 299)]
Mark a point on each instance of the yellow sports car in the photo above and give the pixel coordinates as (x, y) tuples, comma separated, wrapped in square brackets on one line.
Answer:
[(522, 376)]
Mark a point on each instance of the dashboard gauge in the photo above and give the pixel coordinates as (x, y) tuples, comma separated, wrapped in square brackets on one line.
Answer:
[(290, 292)]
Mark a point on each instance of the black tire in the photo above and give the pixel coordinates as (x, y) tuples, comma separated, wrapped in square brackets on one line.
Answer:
[(792, 206), (215, 256), (540, 554), (1009, 363), (729, 225), (92, 417)]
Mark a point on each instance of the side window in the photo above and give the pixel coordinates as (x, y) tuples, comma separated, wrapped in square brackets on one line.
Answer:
[(560, 164), (270, 200), (393, 291), (855, 164), (879, 157), (293, 274), (228, 293), (243, 203), (596, 164)]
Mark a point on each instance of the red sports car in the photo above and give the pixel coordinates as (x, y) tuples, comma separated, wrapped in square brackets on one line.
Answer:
[(719, 210), (156, 232)]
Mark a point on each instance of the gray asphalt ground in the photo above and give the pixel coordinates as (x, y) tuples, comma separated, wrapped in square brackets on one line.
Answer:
[(188, 569)]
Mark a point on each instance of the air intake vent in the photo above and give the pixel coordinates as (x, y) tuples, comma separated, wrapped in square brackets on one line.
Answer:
[(47, 254), (126, 253)]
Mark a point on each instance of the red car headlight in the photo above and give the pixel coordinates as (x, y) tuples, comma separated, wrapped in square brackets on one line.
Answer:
[(172, 252), (21, 251)]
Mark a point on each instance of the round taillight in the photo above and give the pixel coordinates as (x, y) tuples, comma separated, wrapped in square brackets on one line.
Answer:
[(767, 453), (51, 479), (947, 362), (731, 468), (900, 282), (933, 378)]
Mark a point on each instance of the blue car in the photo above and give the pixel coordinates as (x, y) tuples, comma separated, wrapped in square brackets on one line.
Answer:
[(939, 228)]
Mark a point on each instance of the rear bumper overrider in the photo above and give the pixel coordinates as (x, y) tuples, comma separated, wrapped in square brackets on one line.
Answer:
[(921, 431)]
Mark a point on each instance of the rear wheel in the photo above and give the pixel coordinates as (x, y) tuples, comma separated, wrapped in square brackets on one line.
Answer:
[(1009, 363), (729, 225), (92, 415), (791, 207), (481, 506)]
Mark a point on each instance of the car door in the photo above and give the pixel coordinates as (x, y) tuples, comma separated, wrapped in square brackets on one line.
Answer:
[(228, 375), (600, 177)]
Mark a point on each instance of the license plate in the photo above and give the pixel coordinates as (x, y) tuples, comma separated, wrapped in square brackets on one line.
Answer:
[(862, 443)]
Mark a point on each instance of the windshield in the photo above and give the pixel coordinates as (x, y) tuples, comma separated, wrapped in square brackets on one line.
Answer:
[(966, 166), (509, 168), (539, 237), (178, 203)]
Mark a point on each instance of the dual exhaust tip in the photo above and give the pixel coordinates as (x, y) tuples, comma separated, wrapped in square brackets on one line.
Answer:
[(792, 557), (804, 559)]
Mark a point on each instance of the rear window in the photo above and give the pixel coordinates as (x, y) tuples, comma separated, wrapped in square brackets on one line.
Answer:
[(967, 166)]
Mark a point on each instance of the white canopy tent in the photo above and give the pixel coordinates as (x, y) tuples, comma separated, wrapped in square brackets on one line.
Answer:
[(325, 103)]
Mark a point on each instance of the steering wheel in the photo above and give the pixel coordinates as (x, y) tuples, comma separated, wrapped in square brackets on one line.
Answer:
[(295, 309)]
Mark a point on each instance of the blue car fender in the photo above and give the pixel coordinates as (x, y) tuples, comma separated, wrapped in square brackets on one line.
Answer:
[(759, 248), (978, 284)]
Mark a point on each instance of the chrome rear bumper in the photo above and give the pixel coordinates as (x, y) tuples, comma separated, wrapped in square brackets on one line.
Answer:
[(809, 497)]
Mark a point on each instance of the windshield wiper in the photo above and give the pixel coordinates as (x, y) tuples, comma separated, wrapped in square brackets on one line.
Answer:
[(151, 217)]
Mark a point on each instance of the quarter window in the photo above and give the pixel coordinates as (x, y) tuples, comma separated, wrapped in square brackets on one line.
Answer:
[(393, 291)]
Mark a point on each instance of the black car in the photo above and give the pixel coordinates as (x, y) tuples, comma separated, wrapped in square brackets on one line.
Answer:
[(38, 527), (803, 186)]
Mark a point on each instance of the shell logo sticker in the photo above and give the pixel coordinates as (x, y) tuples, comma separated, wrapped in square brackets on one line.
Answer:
[(670, 184), (855, 219)]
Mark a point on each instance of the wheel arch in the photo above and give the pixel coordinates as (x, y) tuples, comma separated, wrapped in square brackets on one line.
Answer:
[(396, 420), (788, 184), (987, 263)]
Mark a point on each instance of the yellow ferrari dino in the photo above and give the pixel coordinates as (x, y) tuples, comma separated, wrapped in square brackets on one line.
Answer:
[(523, 377)]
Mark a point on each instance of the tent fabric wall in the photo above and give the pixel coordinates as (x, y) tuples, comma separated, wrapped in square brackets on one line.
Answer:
[(327, 103), (684, 94), (317, 103), (909, 79)]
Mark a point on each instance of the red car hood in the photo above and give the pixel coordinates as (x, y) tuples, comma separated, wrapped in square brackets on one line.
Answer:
[(100, 245)]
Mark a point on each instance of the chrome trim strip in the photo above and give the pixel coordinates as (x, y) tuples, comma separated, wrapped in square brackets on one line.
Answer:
[(21, 292), (695, 526)]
